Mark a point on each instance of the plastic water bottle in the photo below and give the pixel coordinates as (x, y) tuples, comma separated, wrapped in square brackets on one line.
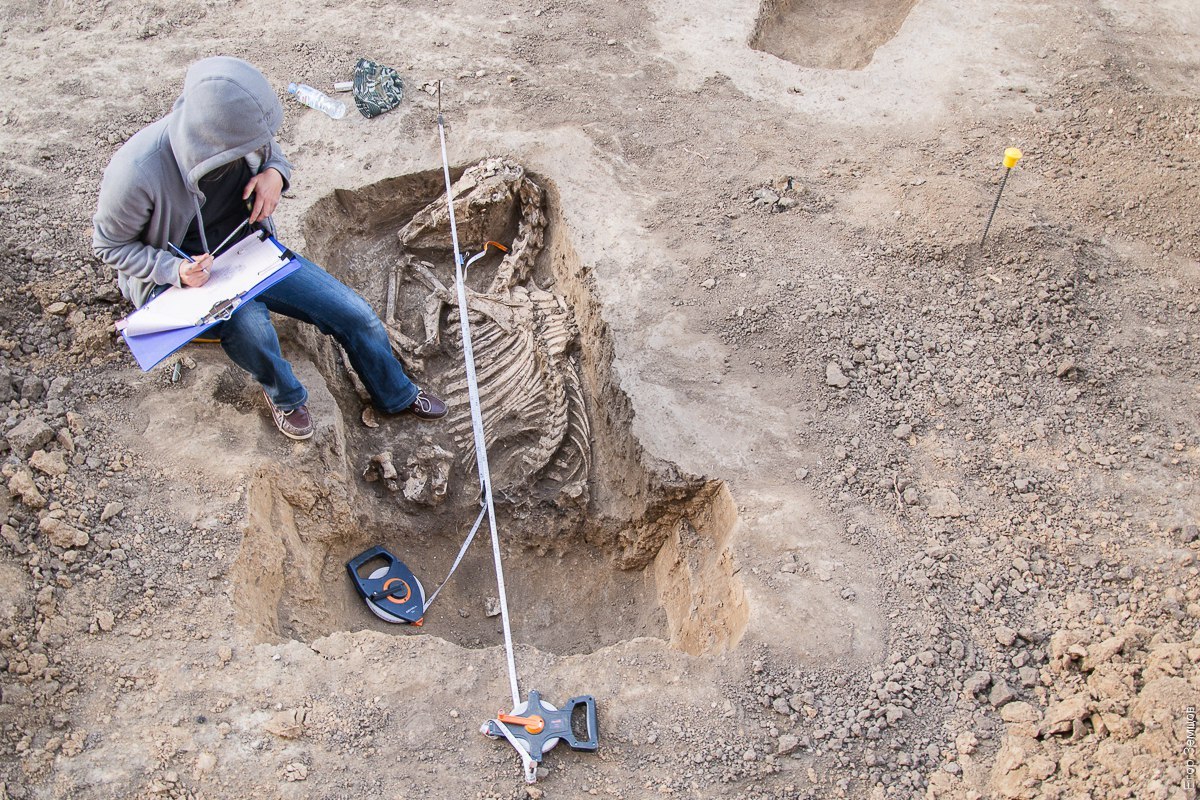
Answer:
[(315, 98)]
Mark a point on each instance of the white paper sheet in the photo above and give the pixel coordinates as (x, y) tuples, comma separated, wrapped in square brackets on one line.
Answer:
[(235, 271)]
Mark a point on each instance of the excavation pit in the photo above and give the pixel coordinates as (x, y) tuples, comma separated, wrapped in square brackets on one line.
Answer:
[(824, 35), (602, 543)]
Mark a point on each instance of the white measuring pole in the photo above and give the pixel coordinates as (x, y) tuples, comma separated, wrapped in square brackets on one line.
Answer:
[(485, 476)]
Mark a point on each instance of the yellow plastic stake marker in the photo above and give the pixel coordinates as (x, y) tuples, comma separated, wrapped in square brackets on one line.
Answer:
[(1011, 156)]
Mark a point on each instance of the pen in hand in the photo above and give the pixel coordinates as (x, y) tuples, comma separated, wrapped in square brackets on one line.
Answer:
[(196, 271), (180, 253)]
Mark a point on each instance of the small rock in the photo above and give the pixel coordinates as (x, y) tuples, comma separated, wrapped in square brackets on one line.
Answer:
[(1079, 602), (1001, 694), (787, 744), (491, 607), (30, 434), (63, 534), (1060, 717), (21, 485), (56, 309), (49, 463), (1005, 635), (1102, 652), (1041, 767), (111, 510), (944, 504), (13, 539), (766, 197), (1065, 367), (287, 724), (225, 653), (32, 389), (1019, 712), (16, 694), (105, 620), (834, 376), (977, 683), (902, 431), (710, 283)]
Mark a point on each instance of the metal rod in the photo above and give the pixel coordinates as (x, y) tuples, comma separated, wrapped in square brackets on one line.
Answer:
[(232, 233), (995, 205)]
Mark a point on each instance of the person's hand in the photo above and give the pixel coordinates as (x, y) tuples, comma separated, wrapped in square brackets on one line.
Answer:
[(266, 187), (196, 273)]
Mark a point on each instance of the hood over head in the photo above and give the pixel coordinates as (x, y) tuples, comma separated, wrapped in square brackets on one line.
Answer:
[(227, 110)]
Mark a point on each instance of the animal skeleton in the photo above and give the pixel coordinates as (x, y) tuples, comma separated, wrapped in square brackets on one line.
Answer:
[(525, 339)]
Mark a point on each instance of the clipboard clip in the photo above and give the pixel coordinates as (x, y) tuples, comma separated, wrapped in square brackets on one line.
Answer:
[(222, 311)]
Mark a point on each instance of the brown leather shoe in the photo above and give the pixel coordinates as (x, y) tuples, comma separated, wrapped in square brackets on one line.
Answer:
[(294, 424), (427, 406)]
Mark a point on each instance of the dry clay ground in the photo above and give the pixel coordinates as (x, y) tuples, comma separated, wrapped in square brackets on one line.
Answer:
[(954, 554)]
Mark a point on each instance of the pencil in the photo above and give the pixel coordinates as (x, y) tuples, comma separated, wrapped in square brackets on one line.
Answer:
[(180, 253)]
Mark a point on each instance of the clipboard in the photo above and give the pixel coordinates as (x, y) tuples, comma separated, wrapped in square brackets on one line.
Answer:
[(176, 320)]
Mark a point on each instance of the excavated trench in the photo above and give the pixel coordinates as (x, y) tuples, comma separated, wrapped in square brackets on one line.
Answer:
[(828, 35), (602, 543)]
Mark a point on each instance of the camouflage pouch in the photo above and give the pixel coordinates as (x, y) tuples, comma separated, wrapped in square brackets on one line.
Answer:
[(376, 88)]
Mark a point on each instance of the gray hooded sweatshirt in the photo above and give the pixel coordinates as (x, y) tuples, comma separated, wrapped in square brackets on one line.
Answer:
[(149, 194)]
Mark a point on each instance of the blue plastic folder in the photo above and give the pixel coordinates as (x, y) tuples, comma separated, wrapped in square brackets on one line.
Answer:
[(180, 327)]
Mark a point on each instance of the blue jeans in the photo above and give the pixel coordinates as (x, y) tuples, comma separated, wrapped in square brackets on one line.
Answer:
[(312, 295)]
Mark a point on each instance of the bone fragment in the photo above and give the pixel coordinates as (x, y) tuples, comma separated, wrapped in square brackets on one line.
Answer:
[(359, 388), (389, 315), (387, 470)]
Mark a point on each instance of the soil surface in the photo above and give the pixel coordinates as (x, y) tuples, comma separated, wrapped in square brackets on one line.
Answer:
[(839, 501)]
